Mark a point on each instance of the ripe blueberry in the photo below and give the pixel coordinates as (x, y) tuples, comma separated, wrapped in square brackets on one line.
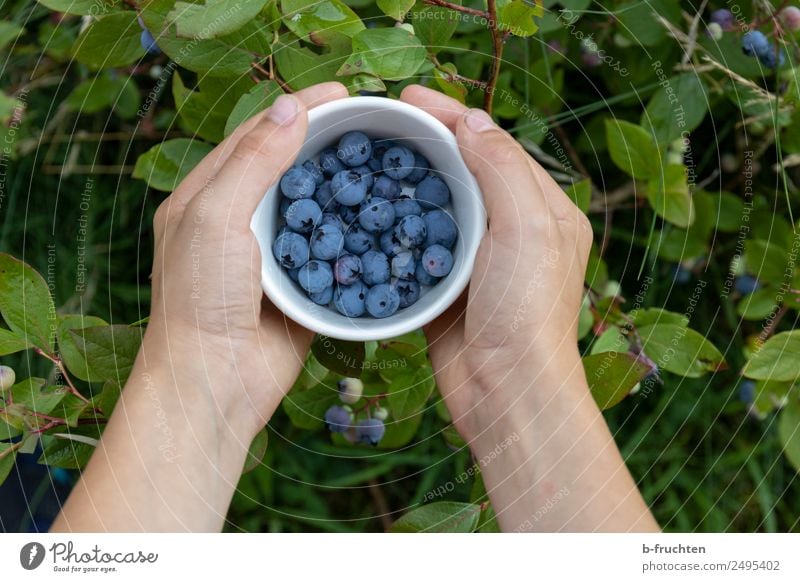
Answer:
[(354, 148), (326, 242), (314, 276), (437, 261), (291, 250), (403, 266), (370, 431), (382, 300), (432, 192), (347, 269), (348, 188), (298, 183), (375, 268), (349, 299), (303, 215), (398, 162), (377, 215), (411, 231), (338, 418)]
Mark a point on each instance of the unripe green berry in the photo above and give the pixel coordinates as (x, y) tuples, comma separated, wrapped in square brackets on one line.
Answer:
[(715, 31), (350, 390), (380, 413), (7, 378)]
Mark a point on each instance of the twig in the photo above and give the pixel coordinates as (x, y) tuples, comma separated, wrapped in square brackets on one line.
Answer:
[(773, 325), (60, 365), (379, 498), (687, 55), (613, 198), (497, 55), (458, 8), (11, 449)]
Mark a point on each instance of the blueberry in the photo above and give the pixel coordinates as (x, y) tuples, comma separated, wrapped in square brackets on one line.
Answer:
[(772, 58), (379, 148), (285, 202), (420, 170), (330, 163), (382, 301), (349, 214), (375, 267), (349, 188), (423, 277), (149, 43), (324, 297), (327, 242), (437, 261), (294, 274), (314, 276), (403, 265), (746, 284), (338, 418), (681, 276), (357, 240), (380, 413), (291, 250), (408, 291), (303, 215), (390, 246), (313, 168), (324, 197), (298, 183), (385, 187), (398, 162), (755, 43), (411, 231), (432, 192), (347, 269), (374, 165), (724, 18), (349, 299), (354, 148), (377, 215), (370, 431), (441, 227), (7, 378), (790, 17), (406, 207), (367, 175), (332, 219), (747, 391)]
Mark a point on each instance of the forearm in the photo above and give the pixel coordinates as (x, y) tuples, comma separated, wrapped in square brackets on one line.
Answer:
[(560, 469), (168, 459)]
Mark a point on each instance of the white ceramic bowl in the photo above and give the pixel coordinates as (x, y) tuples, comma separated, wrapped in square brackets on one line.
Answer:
[(378, 117)]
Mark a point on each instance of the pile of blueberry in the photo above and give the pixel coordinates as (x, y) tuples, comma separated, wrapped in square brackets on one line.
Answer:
[(365, 228), (754, 42), (368, 431)]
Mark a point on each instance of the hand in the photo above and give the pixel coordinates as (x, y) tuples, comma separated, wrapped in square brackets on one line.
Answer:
[(521, 309), (209, 320)]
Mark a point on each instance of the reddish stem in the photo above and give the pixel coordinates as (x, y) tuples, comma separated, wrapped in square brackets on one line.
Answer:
[(458, 8)]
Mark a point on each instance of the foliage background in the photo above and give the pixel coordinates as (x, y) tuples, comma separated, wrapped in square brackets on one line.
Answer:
[(94, 131)]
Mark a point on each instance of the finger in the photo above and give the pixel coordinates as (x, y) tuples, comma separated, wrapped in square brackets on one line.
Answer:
[(311, 97), (513, 195), (444, 108), (259, 159)]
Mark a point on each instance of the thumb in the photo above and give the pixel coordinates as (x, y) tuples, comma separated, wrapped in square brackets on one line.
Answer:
[(258, 161)]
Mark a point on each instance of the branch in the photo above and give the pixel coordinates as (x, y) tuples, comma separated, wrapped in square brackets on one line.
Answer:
[(497, 55), (458, 7)]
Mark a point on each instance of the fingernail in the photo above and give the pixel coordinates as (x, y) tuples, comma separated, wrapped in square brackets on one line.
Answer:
[(478, 120), (283, 111)]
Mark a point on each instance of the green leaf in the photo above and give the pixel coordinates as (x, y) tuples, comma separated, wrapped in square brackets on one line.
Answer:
[(255, 101), (111, 41), (315, 20), (301, 67), (681, 350), (8, 31), (393, 54), (258, 448), (434, 25), (766, 260), (36, 397), (408, 392), (8, 456), (205, 112), (26, 304), (612, 375), (440, 517), (789, 432), (518, 16), (397, 9), (669, 196), (777, 359), (71, 408), (639, 22), (581, 194), (651, 315), (68, 453), (632, 149), (214, 18), (340, 356), (108, 397), (69, 352), (757, 305), (104, 92), (728, 210), (11, 342), (83, 7), (108, 351), (676, 109), (306, 408), (165, 165), (769, 395), (611, 340)]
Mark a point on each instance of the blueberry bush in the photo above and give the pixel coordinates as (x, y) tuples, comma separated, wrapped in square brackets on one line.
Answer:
[(675, 126)]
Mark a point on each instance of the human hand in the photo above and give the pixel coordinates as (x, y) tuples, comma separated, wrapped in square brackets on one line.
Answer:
[(521, 310), (209, 320)]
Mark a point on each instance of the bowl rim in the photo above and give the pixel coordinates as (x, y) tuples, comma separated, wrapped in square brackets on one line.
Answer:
[(456, 282)]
